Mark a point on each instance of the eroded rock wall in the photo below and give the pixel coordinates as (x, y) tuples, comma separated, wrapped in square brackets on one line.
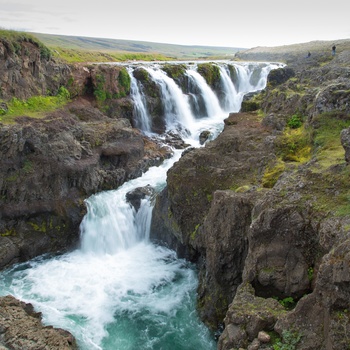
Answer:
[(262, 244)]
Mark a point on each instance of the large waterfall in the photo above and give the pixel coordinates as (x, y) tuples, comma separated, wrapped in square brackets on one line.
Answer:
[(119, 290)]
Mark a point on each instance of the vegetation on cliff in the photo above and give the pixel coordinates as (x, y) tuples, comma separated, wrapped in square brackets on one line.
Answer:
[(283, 170), (34, 107), (13, 39)]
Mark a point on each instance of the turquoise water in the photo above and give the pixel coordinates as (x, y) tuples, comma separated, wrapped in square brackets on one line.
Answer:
[(143, 298)]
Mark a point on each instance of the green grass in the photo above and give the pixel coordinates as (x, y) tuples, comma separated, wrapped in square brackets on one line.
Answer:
[(14, 39), (35, 107), (81, 56), (127, 49), (326, 137), (295, 145)]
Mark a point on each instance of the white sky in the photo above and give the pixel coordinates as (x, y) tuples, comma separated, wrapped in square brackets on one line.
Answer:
[(231, 23)]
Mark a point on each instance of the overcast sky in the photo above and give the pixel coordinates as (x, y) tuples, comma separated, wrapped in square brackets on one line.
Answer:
[(231, 23)]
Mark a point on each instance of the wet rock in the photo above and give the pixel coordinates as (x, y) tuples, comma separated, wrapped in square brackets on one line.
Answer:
[(173, 139), (204, 136), (135, 196)]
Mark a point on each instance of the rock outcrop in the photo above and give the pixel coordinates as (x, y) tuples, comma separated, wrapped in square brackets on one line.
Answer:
[(21, 328), (267, 220), (48, 168)]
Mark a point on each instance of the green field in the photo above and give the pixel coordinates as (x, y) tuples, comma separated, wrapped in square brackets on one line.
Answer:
[(128, 49)]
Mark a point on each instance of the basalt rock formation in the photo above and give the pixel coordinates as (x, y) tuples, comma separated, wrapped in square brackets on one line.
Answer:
[(264, 211), (21, 328)]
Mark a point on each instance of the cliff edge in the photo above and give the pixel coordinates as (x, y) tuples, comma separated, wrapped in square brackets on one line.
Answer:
[(265, 213)]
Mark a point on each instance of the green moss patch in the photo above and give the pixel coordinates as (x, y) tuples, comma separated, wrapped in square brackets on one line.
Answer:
[(35, 107)]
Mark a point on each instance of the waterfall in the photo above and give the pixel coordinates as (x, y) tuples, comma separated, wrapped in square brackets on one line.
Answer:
[(177, 109), (141, 116), (211, 101), (232, 100), (186, 112), (119, 290)]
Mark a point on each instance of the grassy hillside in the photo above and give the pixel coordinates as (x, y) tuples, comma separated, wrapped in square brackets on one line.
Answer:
[(289, 53), (127, 49)]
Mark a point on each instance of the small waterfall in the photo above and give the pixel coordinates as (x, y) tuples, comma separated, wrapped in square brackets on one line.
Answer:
[(141, 116), (111, 224), (232, 100), (211, 101), (253, 77), (178, 113)]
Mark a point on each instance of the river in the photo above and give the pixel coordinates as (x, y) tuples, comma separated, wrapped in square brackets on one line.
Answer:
[(119, 290)]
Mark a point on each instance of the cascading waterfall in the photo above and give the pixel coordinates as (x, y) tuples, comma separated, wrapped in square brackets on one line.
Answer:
[(142, 118), (119, 290), (232, 100), (177, 109), (211, 101)]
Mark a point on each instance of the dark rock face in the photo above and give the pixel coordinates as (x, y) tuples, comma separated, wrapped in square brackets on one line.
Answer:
[(21, 328), (196, 212), (25, 72), (135, 196), (325, 316), (254, 244), (49, 167), (225, 246), (280, 76), (282, 247)]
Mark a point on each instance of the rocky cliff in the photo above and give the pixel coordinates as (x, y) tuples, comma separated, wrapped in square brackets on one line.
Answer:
[(49, 165), (265, 213)]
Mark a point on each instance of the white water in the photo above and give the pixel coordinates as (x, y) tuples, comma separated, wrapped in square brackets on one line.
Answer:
[(211, 101), (232, 99), (120, 291), (142, 118), (177, 109)]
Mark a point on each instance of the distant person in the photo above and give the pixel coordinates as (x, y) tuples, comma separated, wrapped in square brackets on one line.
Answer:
[(333, 50), (308, 54)]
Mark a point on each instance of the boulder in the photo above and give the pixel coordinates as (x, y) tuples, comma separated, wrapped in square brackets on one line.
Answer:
[(247, 317), (280, 76), (204, 136), (135, 196)]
